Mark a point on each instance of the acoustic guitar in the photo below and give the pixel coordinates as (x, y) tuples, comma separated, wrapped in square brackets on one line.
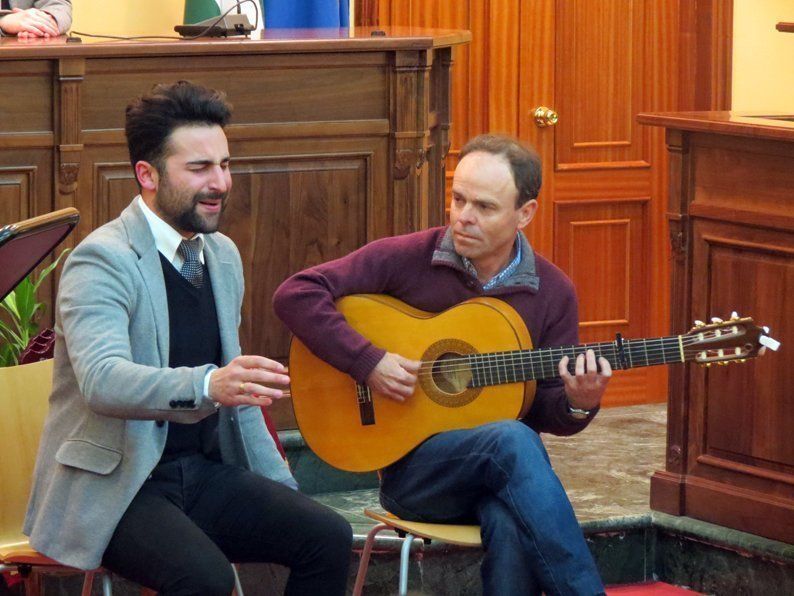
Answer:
[(478, 366)]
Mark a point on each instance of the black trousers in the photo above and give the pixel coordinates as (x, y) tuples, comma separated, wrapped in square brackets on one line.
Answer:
[(193, 516)]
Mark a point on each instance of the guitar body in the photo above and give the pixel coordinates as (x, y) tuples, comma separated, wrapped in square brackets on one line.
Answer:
[(353, 429)]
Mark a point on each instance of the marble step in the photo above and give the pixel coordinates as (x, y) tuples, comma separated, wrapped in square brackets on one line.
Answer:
[(628, 550)]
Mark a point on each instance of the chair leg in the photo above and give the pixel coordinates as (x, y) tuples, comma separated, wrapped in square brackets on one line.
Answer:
[(405, 557), (107, 585), (88, 583), (363, 565), (32, 584), (238, 588)]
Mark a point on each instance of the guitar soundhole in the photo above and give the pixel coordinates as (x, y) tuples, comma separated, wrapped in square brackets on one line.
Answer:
[(451, 375), (449, 378)]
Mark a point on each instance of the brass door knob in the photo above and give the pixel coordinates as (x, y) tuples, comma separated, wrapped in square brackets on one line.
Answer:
[(545, 116)]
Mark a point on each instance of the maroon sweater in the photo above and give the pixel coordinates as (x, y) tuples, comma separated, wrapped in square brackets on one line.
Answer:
[(423, 270)]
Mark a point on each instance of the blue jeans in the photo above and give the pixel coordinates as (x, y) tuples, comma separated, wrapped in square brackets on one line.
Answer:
[(498, 475)]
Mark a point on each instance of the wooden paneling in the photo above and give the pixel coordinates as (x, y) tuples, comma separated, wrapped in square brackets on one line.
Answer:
[(730, 458), (266, 88), (333, 144), (597, 128), (750, 273), (17, 193), (30, 107), (706, 49)]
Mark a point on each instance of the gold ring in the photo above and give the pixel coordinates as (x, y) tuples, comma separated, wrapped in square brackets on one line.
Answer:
[(242, 387)]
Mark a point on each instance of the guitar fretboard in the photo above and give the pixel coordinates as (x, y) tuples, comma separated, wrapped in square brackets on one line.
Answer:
[(496, 368)]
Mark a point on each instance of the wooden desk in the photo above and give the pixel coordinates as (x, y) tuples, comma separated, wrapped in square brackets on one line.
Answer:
[(336, 140), (730, 439)]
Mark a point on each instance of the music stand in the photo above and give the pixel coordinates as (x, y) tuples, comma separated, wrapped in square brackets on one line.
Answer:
[(25, 244)]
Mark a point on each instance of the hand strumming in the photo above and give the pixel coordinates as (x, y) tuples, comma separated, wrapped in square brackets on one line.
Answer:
[(394, 376)]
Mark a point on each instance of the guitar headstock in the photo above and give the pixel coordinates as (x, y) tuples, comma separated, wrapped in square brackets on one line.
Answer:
[(721, 342)]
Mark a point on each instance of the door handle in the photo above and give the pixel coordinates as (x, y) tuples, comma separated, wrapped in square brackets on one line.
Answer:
[(545, 116)]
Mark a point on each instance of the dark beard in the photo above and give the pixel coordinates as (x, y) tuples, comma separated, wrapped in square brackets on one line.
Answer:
[(191, 221), (188, 220)]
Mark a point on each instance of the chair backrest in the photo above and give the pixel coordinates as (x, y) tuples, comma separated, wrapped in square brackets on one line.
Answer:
[(24, 399)]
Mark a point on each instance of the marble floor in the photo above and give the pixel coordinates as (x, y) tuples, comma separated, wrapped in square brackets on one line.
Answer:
[(605, 469)]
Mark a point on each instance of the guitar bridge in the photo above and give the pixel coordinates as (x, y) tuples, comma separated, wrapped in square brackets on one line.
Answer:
[(366, 409)]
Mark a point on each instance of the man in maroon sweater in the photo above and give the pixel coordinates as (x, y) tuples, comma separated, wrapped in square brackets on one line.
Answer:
[(497, 474)]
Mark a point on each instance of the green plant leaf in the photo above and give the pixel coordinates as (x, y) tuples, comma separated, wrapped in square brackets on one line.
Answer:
[(23, 310), (47, 270), (26, 302), (7, 356), (11, 336), (9, 304)]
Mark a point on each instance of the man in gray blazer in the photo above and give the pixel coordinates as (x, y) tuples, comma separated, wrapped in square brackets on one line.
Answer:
[(155, 461), (35, 18)]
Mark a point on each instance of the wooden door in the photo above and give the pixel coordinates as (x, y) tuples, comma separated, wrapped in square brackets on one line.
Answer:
[(597, 64)]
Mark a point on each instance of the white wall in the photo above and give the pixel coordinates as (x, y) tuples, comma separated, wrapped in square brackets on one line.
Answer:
[(763, 57)]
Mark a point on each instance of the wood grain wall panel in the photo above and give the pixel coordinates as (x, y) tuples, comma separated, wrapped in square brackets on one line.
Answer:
[(706, 55), (105, 180), (598, 130), (472, 63), (114, 187), (504, 72), (601, 246), (287, 213), (264, 89), (746, 419), (538, 25), (17, 193), (726, 179), (26, 97)]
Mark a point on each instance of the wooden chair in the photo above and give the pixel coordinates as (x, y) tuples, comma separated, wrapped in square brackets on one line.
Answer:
[(24, 395), (408, 530)]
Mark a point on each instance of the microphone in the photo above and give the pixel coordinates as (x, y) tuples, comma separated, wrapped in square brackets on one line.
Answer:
[(223, 26)]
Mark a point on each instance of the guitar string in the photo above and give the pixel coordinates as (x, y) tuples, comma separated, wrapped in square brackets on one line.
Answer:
[(672, 341), (536, 358), (543, 352), (667, 345)]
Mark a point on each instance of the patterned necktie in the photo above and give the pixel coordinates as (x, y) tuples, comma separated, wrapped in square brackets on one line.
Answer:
[(191, 270)]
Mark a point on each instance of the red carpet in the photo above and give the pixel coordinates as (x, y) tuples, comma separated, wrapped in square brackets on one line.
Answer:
[(655, 588)]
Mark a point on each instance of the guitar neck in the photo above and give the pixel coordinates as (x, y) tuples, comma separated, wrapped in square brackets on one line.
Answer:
[(495, 368)]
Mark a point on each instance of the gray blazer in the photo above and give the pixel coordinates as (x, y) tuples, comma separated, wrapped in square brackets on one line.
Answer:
[(61, 10), (111, 382)]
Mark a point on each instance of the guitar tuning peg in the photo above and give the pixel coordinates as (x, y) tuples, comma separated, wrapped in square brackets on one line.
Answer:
[(766, 329), (735, 316), (707, 364), (699, 323), (716, 320)]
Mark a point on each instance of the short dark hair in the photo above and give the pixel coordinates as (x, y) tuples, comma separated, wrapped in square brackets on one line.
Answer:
[(524, 162), (152, 118)]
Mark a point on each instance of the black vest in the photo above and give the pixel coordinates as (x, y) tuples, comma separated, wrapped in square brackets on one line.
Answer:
[(195, 340)]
